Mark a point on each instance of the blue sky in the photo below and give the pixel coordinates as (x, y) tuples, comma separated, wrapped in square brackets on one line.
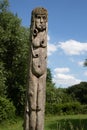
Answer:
[(67, 36)]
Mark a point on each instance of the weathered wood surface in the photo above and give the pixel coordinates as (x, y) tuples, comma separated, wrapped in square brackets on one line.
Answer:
[(35, 95)]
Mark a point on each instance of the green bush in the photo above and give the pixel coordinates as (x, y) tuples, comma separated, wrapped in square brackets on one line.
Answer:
[(53, 108), (48, 109), (84, 109), (71, 108), (64, 108), (7, 110)]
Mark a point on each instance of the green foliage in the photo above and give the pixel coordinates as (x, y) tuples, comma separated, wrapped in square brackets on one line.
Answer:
[(84, 109), (69, 124), (4, 4), (49, 76), (63, 108), (57, 99), (79, 92), (14, 46), (2, 80), (66, 122), (50, 88), (12, 124), (7, 110)]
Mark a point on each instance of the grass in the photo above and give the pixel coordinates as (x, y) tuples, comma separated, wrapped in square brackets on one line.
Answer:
[(9, 125), (69, 122)]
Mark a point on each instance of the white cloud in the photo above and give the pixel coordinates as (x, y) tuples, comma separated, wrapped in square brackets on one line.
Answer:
[(48, 38), (51, 47), (62, 77), (85, 73), (81, 63), (61, 70), (72, 47)]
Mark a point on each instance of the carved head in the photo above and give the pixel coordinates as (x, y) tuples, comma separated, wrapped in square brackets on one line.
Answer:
[(39, 18)]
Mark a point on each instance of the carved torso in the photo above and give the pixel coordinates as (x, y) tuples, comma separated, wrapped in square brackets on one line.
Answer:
[(40, 40), (39, 44), (39, 62)]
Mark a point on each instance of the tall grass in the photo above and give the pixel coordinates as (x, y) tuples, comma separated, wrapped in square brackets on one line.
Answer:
[(69, 122)]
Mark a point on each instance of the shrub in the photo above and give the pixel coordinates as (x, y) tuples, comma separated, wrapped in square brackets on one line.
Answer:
[(64, 108), (48, 109), (84, 109), (7, 110), (71, 108)]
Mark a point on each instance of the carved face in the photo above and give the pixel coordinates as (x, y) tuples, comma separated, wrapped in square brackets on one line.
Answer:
[(40, 22)]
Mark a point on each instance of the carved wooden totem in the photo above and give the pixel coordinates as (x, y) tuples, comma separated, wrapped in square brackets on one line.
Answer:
[(35, 95)]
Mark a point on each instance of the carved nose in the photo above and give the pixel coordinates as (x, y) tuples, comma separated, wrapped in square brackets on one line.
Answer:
[(41, 20)]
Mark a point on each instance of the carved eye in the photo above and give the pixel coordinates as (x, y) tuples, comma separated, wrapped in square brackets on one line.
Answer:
[(38, 16), (44, 17)]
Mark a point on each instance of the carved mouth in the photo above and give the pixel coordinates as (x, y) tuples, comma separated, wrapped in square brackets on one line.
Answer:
[(41, 27)]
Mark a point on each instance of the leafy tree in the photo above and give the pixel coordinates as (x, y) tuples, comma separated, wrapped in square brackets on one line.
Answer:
[(4, 4), (79, 92), (49, 75), (14, 44), (7, 109), (50, 88), (62, 96), (2, 80)]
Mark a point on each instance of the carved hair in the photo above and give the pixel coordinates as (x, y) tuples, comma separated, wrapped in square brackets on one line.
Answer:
[(39, 11)]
